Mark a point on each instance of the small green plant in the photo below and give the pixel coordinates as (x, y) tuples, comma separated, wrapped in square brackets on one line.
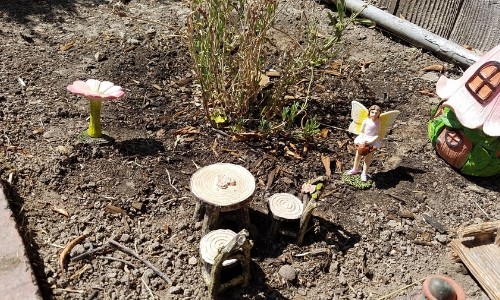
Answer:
[(265, 126), (290, 113), (311, 128), (239, 125)]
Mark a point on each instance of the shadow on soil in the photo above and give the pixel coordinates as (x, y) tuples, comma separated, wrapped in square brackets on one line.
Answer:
[(257, 289), (16, 204), (319, 231), (489, 183), (53, 11), (140, 146), (391, 178)]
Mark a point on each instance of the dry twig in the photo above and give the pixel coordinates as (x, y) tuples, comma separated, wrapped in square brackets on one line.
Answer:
[(146, 262)]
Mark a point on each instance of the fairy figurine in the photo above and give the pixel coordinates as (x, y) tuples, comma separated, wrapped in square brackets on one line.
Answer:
[(371, 126)]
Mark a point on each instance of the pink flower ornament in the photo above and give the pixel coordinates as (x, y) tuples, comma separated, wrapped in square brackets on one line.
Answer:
[(308, 188), (96, 91)]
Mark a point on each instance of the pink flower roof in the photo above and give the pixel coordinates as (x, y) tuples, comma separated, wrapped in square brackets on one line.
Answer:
[(96, 90), (475, 97)]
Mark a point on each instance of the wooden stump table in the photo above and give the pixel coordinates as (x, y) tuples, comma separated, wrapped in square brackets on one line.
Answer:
[(222, 188)]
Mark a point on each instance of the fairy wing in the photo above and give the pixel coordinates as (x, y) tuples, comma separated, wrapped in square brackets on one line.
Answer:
[(358, 114), (386, 121)]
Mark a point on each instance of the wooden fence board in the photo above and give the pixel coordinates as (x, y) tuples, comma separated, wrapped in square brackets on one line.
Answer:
[(478, 24), (437, 16)]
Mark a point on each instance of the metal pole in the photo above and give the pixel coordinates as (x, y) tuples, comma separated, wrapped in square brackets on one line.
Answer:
[(412, 33)]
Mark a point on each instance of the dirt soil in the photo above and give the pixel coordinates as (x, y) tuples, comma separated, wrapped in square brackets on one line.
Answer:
[(361, 244)]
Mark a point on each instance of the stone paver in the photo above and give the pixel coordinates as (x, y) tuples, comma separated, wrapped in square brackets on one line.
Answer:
[(16, 276)]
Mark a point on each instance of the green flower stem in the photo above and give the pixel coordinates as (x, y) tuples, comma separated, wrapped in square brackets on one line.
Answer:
[(94, 130)]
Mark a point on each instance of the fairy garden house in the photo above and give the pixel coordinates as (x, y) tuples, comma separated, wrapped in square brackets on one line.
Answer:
[(465, 129)]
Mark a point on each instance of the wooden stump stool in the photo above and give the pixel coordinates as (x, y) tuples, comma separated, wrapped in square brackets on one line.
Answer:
[(224, 250), (287, 208), (222, 188)]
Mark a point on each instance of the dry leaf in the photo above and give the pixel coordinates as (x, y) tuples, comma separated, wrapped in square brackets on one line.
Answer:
[(67, 250), (364, 65), (67, 46), (264, 80), (339, 166), (184, 81), (341, 144), (157, 87), (273, 73), (326, 163), (62, 211), (245, 136), (294, 154), (437, 68), (324, 133), (186, 130), (427, 93)]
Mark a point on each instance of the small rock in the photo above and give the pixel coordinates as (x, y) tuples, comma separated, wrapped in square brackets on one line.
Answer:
[(361, 36), (125, 238), (193, 260), (155, 246), (198, 225), (462, 269), (137, 205), (133, 41), (385, 235), (287, 272), (64, 150), (99, 56), (175, 290), (77, 250), (149, 273), (442, 238)]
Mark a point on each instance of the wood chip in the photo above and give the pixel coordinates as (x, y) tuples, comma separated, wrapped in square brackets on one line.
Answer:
[(114, 209), (130, 48), (437, 68), (62, 211), (67, 46), (157, 87), (434, 223)]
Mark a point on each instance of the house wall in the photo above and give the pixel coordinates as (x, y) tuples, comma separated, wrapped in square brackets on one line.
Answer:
[(465, 22)]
